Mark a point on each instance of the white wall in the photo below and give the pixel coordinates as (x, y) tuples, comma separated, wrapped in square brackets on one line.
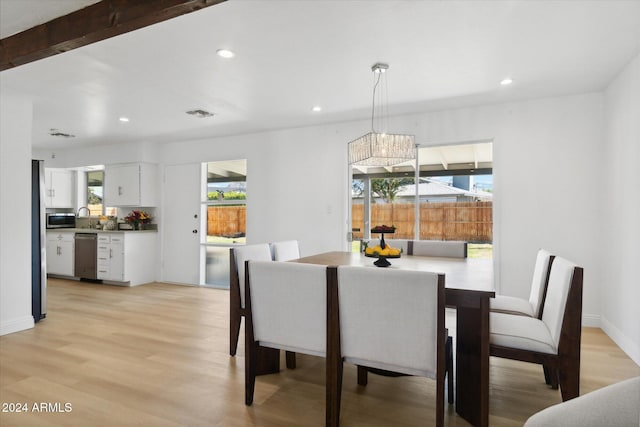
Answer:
[(545, 193), (15, 214), (548, 189), (545, 152), (296, 183), (620, 285), (98, 155)]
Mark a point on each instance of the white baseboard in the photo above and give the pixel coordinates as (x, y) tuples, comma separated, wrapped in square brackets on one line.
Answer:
[(16, 325), (591, 321), (627, 345)]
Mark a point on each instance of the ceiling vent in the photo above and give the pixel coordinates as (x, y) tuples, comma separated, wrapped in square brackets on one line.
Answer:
[(56, 132), (201, 114)]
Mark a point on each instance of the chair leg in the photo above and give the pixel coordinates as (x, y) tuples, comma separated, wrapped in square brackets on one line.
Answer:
[(551, 376), (440, 398), (234, 330), (449, 370), (363, 375), (250, 368), (569, 378), (547, 378), (290, 358)]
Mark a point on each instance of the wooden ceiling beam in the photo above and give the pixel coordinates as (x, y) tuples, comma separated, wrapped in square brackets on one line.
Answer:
[(100, 21)]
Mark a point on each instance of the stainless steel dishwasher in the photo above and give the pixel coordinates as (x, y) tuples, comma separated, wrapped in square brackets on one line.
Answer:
[(86, 259)]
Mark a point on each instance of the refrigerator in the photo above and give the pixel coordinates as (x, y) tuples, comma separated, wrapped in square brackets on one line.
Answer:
[(38, 243)]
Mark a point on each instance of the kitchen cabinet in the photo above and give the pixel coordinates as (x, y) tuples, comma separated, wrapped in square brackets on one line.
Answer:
[(111, 256), (60, 252), (127, 258), (131, 184), (59, 188)]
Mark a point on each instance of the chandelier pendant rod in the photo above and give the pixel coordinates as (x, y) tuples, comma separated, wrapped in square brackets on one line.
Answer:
[(373, 103)]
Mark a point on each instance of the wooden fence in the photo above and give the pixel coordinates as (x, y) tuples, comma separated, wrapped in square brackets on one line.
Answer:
[(228, 221), (468, 221)]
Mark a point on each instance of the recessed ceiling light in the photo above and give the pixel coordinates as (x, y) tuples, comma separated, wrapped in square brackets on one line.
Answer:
[(124, 119), (316, 108), (225, 53), (506, 82)]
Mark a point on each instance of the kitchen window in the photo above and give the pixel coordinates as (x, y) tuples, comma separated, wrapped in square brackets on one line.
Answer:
[(95, 194)]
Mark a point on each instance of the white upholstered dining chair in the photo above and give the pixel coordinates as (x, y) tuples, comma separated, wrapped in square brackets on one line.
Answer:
[(286, 309), (405, 333), (553, 340), (285, 250), (440, 248), (614, 405), (238, 255), (534, 305)]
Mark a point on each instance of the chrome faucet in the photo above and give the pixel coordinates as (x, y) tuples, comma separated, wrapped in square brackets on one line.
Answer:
[(83, 207)]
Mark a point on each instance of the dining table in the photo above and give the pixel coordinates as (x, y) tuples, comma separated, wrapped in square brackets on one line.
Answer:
[(468, 287)]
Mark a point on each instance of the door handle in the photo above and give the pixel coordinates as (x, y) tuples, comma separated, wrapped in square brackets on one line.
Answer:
[(195, 231), (119, 190)]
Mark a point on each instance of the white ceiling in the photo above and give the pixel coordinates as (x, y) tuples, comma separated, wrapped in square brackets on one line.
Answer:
[(291, 56)]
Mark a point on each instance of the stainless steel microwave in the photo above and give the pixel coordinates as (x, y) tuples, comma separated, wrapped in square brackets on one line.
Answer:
[(61, 220)]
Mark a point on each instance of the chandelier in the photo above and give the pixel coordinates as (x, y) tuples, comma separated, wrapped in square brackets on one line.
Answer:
[(380, 148)]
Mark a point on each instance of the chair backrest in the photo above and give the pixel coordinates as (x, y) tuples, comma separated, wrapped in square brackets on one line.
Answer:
[(285, 250), (440, 248), (287, 303), (405, 333), (564, 275), (240, 254), (540, 280)]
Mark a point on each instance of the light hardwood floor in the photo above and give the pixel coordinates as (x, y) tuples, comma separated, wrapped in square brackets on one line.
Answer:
[(157, 355)]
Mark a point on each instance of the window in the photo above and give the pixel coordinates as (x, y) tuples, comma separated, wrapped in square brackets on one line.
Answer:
[(225, 201), (454, 195), (95, 180), (95, 194)]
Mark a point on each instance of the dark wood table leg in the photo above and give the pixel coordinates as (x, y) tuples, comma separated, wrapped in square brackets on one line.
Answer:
[(268, 361), (472, 363)]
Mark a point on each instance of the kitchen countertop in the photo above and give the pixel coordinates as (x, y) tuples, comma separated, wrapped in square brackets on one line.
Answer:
[(95, 230)]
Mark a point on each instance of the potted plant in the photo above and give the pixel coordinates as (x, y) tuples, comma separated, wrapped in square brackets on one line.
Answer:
[(137, 219)]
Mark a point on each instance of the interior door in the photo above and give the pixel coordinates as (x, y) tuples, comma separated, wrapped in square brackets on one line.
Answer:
[(181, 253)]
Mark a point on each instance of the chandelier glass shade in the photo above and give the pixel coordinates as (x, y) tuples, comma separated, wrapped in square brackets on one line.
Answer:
[(381, 148)]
